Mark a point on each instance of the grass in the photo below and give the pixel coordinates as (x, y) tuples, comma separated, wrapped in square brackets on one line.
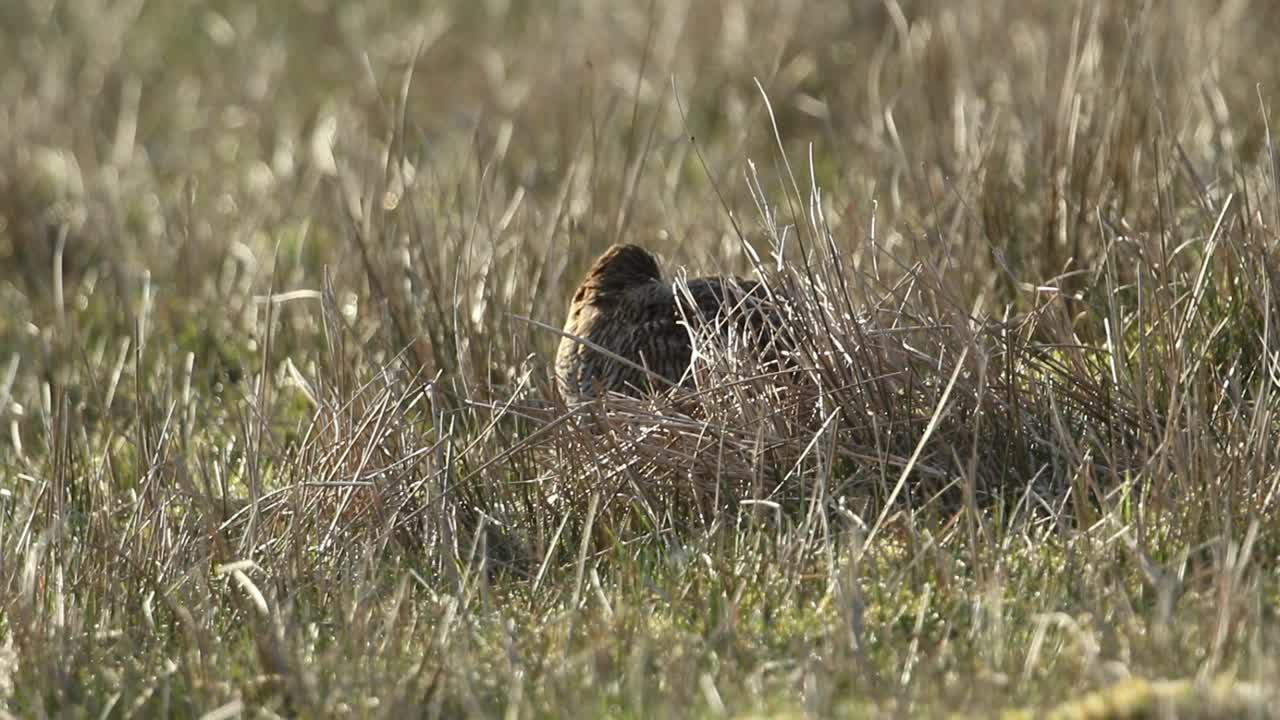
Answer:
[(279, 430)]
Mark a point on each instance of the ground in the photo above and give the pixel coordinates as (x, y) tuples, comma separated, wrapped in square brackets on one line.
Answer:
[(279, 433)]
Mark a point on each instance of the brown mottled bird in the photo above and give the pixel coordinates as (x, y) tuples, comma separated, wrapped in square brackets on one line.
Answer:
[(624, 308)]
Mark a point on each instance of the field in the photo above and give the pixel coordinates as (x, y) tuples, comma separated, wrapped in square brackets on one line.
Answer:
[(281, 281)]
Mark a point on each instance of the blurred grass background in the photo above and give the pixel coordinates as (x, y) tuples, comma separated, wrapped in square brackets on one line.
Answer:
[(199, 136), (238, 239)]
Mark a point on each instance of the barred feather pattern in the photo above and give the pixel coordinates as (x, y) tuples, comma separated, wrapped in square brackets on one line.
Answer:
[(624, 308)]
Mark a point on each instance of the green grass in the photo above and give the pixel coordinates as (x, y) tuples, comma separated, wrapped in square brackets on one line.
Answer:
[(279, 437)]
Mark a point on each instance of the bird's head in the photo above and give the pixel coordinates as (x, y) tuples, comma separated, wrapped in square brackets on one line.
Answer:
[(619, 269)]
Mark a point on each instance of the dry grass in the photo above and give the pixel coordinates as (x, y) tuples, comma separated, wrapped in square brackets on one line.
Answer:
[(280, 435)]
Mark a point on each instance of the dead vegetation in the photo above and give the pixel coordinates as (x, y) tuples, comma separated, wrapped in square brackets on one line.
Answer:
[(280, 428)]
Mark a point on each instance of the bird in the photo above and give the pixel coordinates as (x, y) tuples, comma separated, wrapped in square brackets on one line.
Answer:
[(629, 332)]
